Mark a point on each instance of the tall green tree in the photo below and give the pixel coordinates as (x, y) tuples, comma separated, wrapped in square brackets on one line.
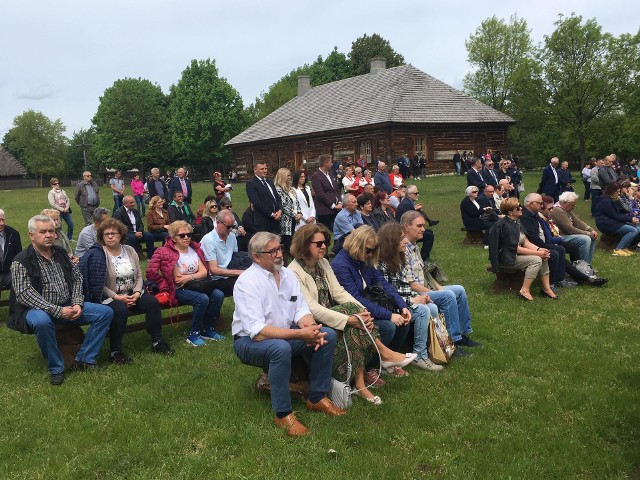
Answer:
[(206, 112), (501, 55), (587, 74), (367, 47), (131, 125), (38, 142)]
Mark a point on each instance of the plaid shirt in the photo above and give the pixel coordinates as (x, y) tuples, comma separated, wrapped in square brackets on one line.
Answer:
[(55, 291), (397, 281), (414, 265)]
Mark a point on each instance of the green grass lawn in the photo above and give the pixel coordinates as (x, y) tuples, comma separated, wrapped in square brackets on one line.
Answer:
[(554, 392)]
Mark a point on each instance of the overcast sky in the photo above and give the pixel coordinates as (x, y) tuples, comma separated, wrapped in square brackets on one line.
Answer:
[(59, 57)]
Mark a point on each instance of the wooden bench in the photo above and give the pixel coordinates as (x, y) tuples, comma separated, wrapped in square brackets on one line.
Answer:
[(473, 238), (507, 280), (606, 241)]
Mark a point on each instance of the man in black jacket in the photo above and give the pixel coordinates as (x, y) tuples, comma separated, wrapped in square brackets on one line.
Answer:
[(535, 232), (156, 187), (131, 218), (10, 246), (267, 206)]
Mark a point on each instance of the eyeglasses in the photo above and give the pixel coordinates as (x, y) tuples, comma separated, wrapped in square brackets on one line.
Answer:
[(319, 243), (111, 234), (184, 235), (369, 250), (274, 251)]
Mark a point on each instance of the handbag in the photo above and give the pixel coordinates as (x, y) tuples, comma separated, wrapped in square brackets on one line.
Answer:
[(376, 294), (441, 346), (340, 392), (201, 285)]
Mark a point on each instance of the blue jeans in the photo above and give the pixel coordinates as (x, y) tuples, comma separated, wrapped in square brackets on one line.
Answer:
[(44, 327), (117, 203), (629, 236), (276, 354), (68, 219), (453, 303), (595, 197), (420, 315), (140, 206), (206, 308), (147, 237), (585, 244)]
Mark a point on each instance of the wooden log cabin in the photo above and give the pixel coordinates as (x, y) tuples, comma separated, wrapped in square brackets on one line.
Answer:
[(381, 115)]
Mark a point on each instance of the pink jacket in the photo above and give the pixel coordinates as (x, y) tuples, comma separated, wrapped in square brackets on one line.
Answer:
[(137, 187), (160, 268)]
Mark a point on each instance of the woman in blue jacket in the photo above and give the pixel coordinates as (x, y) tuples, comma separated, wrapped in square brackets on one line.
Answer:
[(354, 267), (611, 218)]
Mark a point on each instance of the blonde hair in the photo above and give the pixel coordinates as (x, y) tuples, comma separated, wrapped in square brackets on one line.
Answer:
[(176, 226), (155, 200), (281, 179), (355, 244), (49, 212)]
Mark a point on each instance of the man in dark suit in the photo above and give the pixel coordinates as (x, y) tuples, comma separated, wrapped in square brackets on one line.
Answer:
[(407, 204), (489, 174), (156, 187), (532, 225), (326, 192), (474, 175), (131, 218), (10, 246), (182, 183), (267, 206), (549, 183)]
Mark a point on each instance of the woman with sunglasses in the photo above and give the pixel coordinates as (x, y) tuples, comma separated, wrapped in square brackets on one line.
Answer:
[(112, 276), (334, 307), (355, 268), (59, 200), (474, 217), (510, 250), (209, 214), (180, 269), (157, 219)]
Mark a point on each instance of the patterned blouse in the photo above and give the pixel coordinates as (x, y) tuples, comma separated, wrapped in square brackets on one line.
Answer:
[(290, 208)]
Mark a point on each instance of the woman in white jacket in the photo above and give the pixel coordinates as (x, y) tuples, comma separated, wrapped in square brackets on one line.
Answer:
[(305, 199)]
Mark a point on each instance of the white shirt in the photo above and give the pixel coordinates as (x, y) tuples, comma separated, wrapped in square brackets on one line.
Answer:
[(188, 263), (307, 209), (259, 302)]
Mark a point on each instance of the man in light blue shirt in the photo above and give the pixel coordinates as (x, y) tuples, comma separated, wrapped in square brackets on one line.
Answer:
[(346, 221), (218, 247)]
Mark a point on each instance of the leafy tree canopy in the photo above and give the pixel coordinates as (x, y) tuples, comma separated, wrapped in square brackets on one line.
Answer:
[(367, 47), (206, 112), (38, 142)]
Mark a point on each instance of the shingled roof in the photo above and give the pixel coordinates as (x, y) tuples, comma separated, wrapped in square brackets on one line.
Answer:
[(400, 95), (9, 166)]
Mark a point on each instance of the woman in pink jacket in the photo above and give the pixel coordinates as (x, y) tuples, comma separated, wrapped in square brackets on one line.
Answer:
[(138, 193)]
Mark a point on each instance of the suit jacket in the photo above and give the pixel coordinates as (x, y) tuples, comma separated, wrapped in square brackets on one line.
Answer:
[(122, 215), (12, 247), (548, 183), (405, 205), (531, 223), (326, 193), (264, 204), (488, 178), (176, 185), (474, 179), (153, 191), (471, 215)]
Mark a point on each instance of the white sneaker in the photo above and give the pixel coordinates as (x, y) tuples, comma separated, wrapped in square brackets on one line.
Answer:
[(427, 364)]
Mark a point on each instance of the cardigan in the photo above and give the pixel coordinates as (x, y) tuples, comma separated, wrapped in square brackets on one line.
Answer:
[(324, 315)]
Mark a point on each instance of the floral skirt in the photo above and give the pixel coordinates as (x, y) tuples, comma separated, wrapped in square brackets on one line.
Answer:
[(360, 347)]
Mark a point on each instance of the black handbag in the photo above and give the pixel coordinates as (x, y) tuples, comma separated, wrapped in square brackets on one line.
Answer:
[(377, 295), (202, 285)]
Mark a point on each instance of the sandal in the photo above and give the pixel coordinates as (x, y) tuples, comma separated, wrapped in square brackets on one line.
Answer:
[(376, 400)]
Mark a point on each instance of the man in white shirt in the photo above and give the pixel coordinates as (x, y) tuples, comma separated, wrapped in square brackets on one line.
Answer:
[(272, 324)]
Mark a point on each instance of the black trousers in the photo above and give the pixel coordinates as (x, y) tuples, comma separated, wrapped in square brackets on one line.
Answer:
[(147, 304)]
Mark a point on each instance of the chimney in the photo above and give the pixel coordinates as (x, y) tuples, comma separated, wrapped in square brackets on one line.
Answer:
[(304, 84), (378, 64)]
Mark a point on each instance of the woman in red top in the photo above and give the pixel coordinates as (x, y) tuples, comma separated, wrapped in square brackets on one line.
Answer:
[(395, 177)]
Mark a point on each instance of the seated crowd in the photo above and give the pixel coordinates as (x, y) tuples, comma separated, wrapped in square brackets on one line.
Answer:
[(353, 317)]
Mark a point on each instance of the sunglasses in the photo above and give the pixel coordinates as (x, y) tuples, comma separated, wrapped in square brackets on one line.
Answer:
[(184, 235), (369, 250), (229, 227), (319, 243), (55, 183)]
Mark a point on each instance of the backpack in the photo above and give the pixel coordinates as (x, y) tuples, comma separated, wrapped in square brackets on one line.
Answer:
[(585, 268)]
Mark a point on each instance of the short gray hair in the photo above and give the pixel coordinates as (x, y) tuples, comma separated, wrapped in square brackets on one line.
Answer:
[(568, 197), (38, 219), (470, 189), (412, 188), (346, 196), (223, 214), (409, 217), (529, 198), (260, 240), (98, 213), (155, 170), (1, 212)]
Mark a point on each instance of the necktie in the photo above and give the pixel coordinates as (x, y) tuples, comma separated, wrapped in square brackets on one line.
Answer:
[(264, 182)]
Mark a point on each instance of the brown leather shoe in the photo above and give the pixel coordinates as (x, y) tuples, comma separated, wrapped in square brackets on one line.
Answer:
[(326, 406), (292, 425)]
